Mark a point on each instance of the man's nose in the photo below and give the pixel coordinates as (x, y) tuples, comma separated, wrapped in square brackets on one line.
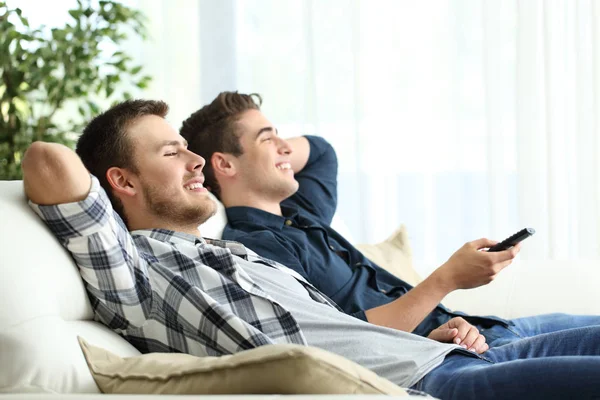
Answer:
[(284, 147), (196, 162)]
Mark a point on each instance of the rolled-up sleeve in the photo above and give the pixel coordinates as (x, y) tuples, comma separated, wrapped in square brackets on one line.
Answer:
[(317, 193)]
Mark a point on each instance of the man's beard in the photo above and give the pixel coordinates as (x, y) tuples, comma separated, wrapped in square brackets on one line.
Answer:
[(162, 205)]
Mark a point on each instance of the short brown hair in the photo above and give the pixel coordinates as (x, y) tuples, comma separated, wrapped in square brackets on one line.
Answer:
[(213, 129), (104, 143)]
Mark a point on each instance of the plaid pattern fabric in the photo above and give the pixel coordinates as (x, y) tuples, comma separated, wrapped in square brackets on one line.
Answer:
[(167, 291)]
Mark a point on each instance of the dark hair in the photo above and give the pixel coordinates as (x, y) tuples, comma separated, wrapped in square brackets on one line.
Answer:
[(213, 129), (104, 143)]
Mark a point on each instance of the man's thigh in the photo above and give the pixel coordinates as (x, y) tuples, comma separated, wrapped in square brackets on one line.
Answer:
[(498, 335), (526, 327), (546, 323), (462, 377), (583, 341)]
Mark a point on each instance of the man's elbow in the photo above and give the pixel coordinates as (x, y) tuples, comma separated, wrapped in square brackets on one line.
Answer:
[(34, 169), (35, 160), (52, 174)]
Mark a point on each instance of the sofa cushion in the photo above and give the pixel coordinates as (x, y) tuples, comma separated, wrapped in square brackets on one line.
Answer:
[(273, 369), (44, 306), (213, 227), (394, 255), (43, 355)]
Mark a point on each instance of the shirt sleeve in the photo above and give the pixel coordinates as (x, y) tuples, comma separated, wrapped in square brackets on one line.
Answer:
[(318, 181), (107, 258)]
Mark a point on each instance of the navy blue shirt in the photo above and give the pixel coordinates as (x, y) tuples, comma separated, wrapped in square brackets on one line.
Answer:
[(302, 239)]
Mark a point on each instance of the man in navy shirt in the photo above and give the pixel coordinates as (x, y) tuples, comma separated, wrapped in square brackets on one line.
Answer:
[(281, 196)]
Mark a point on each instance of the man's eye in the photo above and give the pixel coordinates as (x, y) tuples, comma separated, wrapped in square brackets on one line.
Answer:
[(266, 139), (171, 154)]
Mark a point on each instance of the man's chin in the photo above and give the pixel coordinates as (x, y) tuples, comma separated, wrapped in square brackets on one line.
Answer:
[(209, 212), (290, 190)]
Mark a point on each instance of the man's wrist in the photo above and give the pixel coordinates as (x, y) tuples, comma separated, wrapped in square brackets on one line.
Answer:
[(440, 281), (300, 152)]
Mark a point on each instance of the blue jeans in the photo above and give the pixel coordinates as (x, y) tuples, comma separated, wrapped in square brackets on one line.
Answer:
[(561, 364), (536, 325)]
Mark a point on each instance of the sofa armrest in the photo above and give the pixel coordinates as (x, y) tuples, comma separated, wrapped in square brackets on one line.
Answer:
[(535, 287)]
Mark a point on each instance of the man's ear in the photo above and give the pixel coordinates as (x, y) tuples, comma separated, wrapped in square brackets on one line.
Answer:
[(222, 164), (120, 181)]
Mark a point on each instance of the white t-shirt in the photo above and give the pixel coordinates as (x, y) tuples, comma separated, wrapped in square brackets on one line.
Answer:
[(401, 357)]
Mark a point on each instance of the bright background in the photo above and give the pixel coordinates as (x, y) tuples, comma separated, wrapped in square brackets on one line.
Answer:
[(461, 119)]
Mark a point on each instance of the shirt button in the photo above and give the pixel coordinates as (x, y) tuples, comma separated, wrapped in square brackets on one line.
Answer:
[(288, 222), (331, 247), (357, 264), (383, 291)]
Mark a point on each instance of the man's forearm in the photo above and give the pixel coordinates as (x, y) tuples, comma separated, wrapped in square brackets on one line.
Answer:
[(409, 310), (300, 152), (54, 174)]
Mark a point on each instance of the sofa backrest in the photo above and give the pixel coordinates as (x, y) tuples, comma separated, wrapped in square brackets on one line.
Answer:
[(39, 278), (43, 307)]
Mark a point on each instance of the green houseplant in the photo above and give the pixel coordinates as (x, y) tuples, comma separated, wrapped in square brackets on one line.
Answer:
[(53, 80)]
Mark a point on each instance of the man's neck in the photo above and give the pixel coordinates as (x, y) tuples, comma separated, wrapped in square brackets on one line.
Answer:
[(149, 224)]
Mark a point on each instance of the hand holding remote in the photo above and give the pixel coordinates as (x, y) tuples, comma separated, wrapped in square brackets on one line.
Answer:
[(513, 240), (470, 267)]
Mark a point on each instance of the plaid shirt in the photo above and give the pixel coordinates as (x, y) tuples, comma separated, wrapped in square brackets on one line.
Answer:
[(167, 291)]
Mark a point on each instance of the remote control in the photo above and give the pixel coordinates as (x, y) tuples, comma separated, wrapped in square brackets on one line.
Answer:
[(513, 240)]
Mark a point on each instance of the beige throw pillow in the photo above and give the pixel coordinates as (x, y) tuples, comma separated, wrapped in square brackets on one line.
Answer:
[(394, 255), (274, 369)]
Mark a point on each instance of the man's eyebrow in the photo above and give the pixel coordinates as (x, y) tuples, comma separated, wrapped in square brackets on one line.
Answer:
[(183, 143), (266, 129)]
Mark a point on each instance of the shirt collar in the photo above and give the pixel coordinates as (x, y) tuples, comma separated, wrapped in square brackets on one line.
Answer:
[(242, 214), (166, 235)]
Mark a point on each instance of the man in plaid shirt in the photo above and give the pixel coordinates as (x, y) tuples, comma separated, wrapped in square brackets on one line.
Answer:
[(131, 227)]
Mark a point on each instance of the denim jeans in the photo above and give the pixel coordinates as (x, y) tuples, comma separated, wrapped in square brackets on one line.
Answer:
[(536, 325), (561, 364)]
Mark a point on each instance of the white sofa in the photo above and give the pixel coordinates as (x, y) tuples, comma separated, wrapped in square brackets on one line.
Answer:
[(44, 305)]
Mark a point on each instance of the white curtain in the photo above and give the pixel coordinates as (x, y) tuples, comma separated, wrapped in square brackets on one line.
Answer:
[(461, 119), (171, 54)]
